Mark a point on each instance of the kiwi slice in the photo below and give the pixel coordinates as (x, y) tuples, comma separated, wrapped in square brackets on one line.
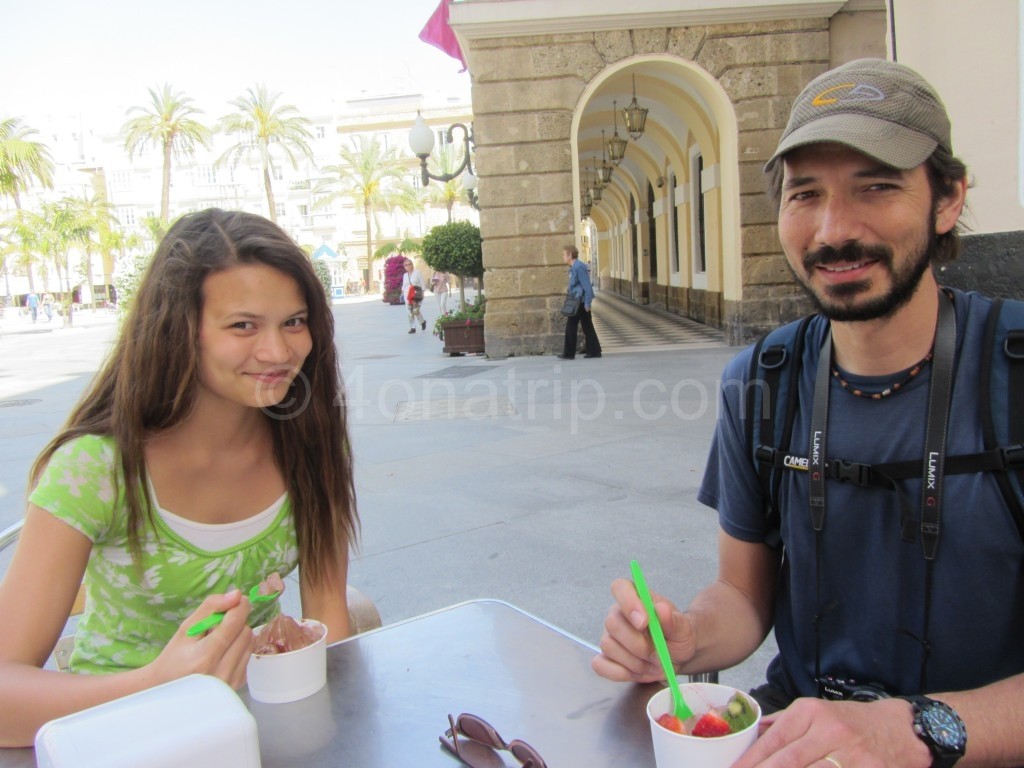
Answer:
[(738, 713)]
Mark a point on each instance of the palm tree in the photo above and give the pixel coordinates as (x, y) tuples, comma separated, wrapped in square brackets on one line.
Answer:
[(168, 121), (93, 217), (22, 159), (8, 248), (24, 235), (406, 246), (57, 228), (155, 228), (372, 178), (116, 245), (263, 127), (41, 236), (446, 193)]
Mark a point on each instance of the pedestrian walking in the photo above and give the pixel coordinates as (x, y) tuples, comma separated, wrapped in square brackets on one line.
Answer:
[(412, 289), (32, 304), (440, 284), (48, 306), (579, 286)]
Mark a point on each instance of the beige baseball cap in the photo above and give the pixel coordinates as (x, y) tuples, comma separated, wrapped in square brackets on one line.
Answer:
[(880, 108)]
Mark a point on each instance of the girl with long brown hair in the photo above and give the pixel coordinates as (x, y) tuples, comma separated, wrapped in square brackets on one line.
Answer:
[(210, 452)]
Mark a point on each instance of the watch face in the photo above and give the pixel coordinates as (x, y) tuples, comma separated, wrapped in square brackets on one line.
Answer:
[(944, 727)]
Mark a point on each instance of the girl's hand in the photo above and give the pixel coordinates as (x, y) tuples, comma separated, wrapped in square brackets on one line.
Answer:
[(222, 652)]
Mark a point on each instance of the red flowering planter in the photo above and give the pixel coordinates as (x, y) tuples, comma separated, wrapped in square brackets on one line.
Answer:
[(463, 336)]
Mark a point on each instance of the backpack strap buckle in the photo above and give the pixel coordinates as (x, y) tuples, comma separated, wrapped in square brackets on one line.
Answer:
[(1011, 456), (849, 472), (765, 454), (772, 357), (1013, 344)]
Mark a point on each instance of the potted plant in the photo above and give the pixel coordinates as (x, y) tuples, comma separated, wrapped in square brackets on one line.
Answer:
[(456, 248), (462, 329)]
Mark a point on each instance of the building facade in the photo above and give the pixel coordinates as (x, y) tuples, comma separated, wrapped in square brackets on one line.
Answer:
[(685, 223)]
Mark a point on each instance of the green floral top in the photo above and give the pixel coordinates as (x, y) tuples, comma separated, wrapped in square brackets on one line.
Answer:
[(130, 614)]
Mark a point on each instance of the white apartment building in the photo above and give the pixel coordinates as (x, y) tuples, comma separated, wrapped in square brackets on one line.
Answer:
[(89, 162)]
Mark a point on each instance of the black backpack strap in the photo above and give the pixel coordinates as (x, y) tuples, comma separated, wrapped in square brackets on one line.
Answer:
[(768, 428), (1009, 352), (751, 414), (767, 365)]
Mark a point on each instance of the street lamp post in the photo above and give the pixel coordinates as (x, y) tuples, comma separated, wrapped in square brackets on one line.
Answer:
[(421, 142)]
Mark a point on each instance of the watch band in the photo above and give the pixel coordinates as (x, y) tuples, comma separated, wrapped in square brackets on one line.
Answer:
[(939, 726)]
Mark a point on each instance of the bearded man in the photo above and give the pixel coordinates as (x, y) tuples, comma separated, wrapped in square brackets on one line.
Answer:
[(896, 601)]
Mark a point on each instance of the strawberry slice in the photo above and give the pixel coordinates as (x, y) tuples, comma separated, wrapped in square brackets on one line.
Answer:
[(710, 726), (671, 722)]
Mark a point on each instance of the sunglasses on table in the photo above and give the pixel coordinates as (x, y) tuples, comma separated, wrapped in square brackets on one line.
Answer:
[(478, 742)]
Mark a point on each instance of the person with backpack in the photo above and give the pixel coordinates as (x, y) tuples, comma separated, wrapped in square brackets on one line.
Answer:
[(866, 463)]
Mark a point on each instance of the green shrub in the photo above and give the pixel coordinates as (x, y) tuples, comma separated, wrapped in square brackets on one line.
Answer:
[(455, 248), (324, 273)]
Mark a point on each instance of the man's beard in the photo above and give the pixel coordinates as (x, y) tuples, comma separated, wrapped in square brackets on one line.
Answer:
[(904, 281)]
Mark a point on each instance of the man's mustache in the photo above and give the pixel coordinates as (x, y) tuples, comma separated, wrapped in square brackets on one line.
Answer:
[(849, 253)]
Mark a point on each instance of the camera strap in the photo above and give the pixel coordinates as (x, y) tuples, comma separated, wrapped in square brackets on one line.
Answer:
[(932, 470)]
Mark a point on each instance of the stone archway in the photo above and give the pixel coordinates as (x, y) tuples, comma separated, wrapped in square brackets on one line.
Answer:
[(695, 208)]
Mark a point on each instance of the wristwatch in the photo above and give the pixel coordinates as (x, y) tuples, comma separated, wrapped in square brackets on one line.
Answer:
[(940, 728)]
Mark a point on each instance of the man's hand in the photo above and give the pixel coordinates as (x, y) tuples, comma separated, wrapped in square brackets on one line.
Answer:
[(851, 734), (627, 651)]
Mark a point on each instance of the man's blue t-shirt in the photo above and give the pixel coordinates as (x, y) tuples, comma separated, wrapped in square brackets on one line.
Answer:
[(872, 590)]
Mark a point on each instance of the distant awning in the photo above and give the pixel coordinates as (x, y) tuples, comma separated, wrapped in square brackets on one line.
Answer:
[(324, 252)]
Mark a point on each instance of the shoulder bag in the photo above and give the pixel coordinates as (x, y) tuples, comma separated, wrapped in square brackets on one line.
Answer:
[(571, 305)]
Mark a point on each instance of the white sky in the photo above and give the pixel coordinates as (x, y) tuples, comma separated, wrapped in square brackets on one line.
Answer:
[(70, 57)]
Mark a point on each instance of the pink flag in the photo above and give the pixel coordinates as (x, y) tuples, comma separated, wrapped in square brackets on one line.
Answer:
[(440, 35)]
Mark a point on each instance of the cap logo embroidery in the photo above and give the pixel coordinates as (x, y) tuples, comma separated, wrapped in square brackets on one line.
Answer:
[(853, 92)]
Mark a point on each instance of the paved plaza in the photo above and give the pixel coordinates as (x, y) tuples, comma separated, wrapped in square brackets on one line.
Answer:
[(531, 480)]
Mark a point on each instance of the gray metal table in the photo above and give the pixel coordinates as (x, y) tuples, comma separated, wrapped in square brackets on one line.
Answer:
[(389, 693)]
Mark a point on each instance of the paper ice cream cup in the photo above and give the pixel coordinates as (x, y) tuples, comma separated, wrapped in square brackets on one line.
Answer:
[(676, 750), (282, 677)]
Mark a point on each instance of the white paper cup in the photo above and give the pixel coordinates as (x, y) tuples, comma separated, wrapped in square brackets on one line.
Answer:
[(281, 677), (675, 750)]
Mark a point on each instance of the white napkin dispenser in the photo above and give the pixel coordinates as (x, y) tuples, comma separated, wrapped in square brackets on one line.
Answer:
[(196, 721)]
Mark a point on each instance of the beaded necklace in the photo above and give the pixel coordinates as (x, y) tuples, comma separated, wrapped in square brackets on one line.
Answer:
[(889, 390)]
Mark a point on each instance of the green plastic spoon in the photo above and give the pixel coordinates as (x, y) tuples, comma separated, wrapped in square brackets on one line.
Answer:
[(214, 619), (682, 711)]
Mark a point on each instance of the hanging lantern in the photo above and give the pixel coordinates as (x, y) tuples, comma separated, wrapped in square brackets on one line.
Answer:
[(604, 172), (635, 116), (595, 193), (616, 144)]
